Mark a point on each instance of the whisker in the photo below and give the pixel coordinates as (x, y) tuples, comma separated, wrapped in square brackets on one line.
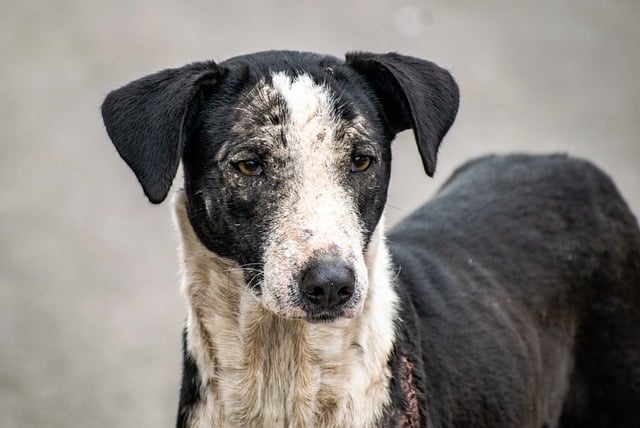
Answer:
[(255, 280), (397, 274), (397, 208)]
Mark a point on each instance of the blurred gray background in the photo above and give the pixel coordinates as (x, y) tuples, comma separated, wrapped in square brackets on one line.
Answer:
[(90, 312)]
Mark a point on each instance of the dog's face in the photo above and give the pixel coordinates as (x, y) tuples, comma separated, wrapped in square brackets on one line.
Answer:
[(286, 161), (286, 175)]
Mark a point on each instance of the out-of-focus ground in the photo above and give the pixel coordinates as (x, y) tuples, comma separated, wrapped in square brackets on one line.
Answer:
[(90, 311)]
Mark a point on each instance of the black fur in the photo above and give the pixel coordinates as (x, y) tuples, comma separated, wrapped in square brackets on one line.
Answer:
[(191, 384), (519, 282), (519, 265)]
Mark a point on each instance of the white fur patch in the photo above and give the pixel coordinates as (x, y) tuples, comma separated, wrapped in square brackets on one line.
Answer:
[(317, 215), (306, 100), (262, 370)]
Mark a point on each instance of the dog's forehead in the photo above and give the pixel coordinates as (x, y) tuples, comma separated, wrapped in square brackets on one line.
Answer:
[(304, 98), (287, 100)]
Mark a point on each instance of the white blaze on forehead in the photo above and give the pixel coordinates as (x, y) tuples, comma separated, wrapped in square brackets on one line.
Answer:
[(306, 100)]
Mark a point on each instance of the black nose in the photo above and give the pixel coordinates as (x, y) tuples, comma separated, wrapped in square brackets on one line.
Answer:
[(328, 285)]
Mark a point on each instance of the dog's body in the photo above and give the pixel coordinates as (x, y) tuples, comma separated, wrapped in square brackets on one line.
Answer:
[(524, 276), (511, 299)]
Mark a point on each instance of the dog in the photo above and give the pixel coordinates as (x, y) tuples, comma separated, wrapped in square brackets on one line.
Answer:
[(511, 299)]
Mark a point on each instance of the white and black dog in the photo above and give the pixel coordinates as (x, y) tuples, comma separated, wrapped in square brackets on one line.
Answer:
[(512, 299)]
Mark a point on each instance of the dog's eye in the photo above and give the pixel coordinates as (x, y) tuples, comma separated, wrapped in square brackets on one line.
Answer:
[(360, 163), (249, 167)]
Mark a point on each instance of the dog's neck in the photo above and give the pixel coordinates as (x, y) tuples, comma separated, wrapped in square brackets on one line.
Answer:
[(259, 369)]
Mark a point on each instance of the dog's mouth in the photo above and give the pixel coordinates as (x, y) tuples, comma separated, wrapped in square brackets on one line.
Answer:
[(316, 316), (323, 318)]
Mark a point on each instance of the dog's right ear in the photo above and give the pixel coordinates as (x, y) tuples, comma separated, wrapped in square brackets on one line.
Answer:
[(149, 119)]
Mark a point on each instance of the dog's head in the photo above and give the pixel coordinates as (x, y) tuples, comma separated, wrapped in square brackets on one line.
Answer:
[(286, 160)]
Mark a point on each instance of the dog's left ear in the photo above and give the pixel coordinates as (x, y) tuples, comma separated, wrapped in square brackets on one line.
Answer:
[(149, 121), (414, 93)]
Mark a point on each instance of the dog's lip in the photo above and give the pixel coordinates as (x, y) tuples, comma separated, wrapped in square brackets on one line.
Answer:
[(315, 314), (324, 318)]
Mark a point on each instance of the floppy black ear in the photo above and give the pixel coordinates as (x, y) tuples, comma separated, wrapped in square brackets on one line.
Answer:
[(414, 94), (148, 121)]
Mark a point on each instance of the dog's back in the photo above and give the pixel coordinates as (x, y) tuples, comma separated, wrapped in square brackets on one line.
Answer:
[(524, 274)]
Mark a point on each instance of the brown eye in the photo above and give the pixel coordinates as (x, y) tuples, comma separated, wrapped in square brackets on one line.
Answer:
[(360, 163), (249, 167)]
